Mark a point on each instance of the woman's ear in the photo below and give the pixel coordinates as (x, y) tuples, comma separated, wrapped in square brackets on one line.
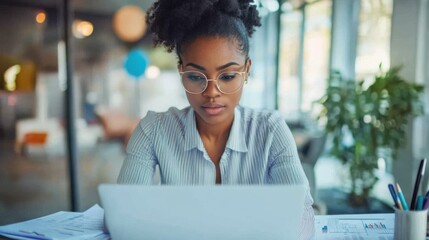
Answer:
[(248, 66)]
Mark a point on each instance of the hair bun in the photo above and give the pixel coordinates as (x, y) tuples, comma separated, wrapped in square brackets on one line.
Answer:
[(230, 7), (243, 9), (249, 15), (172, 20)]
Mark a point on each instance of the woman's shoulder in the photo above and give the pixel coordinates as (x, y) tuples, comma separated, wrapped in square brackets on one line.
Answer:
[(172, 116), (172, 112), (261, 117)]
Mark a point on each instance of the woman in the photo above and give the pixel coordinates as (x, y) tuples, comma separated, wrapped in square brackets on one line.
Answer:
[(214, 140)]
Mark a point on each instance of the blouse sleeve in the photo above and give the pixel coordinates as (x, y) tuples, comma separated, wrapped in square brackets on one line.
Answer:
[(286, 168), (140, 161)]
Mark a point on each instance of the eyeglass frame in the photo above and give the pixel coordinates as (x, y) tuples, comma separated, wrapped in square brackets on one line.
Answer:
[(246, 75)]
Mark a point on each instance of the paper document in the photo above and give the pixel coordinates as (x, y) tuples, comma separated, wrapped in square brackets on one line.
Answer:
[(356, 226), (60, 225)]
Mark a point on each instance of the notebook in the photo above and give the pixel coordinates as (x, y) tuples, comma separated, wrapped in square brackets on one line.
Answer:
[(202, 212)]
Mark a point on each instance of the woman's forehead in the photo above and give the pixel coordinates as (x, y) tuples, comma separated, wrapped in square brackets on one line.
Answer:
[(212, 50)]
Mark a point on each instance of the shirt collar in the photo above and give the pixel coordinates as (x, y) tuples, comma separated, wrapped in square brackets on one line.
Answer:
[(235, 141), (192, 138)]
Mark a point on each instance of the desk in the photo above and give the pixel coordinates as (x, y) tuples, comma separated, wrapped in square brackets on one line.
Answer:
[(355, 226)]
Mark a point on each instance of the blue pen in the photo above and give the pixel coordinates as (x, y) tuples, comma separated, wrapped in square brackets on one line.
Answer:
[(419, 203), (401, 197), (419, 177), (393, 193)]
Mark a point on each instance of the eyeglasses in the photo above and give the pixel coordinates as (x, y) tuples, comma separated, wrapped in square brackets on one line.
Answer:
[(228, 82)]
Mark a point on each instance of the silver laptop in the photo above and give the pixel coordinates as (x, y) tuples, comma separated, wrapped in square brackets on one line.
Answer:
[(202, 212)]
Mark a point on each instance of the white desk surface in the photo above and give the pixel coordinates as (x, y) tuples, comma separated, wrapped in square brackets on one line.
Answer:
[(334, 227)]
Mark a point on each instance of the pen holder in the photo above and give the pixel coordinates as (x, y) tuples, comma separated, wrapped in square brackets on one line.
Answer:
[(410, 225), (427, 226)]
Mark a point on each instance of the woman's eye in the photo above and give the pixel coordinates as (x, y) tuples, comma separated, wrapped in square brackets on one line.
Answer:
[(195, 78), (228, 77)]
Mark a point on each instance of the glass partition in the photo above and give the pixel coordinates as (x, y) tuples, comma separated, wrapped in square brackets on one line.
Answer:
[(33, 173)]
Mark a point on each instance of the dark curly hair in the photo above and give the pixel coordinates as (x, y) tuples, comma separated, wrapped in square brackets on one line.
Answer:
[(177, 22)]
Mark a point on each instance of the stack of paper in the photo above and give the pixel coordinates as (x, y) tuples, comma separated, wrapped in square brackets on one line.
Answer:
[(60, 225)]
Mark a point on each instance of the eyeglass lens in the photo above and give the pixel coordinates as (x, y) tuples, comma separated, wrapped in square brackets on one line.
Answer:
[(227, 82)]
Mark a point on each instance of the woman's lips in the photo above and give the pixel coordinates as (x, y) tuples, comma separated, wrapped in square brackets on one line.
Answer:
[(213, 109)]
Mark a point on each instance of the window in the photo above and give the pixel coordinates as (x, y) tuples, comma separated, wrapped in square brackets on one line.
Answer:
[(289, 79), (373, 46), (316, 52), (304, 57)]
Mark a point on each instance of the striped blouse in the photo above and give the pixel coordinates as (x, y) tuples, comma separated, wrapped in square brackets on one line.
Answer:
[(260, 150)]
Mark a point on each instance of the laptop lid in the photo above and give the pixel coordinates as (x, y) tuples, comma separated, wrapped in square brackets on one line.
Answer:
[(202, 212)]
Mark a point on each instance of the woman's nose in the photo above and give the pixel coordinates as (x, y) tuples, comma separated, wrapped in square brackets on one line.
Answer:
[(212, 90)]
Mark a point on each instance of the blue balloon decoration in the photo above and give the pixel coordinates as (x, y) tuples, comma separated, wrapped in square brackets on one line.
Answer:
[(136, 63)]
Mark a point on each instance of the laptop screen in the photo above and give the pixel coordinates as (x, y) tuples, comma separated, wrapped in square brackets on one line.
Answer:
[(203, 212)]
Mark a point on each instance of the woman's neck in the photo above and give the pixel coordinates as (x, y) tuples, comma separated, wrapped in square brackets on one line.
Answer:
[(213, 132)]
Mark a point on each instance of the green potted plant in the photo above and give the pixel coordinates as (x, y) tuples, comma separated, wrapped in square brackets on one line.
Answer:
[(367, 119)]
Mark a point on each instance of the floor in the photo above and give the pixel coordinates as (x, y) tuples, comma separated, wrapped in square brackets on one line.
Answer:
[(37, 186)]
